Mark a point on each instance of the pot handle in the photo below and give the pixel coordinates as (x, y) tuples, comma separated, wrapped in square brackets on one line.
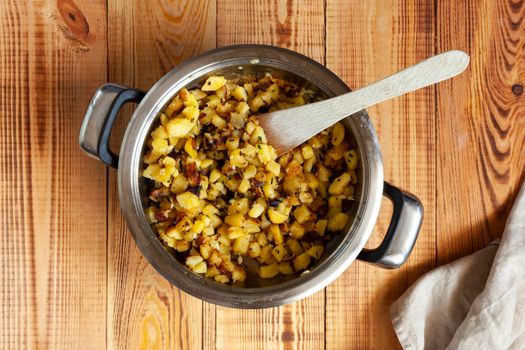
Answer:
[(402, 232), (99, 118)]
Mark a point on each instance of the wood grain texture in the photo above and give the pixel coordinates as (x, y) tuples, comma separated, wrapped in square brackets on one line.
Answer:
[(146, 40), (481, 162), (292, 24), (298, 26), (73, 278), (365, 42), (52, 200)]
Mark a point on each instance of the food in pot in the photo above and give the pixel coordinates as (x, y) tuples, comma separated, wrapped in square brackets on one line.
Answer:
[(221, 197)]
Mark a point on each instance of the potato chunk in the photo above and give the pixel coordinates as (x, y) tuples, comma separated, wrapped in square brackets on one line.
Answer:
[(338, 222), (268, 271), (219, 195), (213, 83), (188, 200), (179, 127)]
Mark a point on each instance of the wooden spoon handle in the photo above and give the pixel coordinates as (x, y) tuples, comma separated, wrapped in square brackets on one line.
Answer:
[(288, 128)]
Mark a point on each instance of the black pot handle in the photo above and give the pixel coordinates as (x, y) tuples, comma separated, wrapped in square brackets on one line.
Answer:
[(99, 118), (402, 232)]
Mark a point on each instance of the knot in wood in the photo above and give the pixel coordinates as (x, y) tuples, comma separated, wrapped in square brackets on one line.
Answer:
[(517, 89)]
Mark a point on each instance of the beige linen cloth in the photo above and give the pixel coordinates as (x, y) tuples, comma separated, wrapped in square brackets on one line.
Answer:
[(476, 302)]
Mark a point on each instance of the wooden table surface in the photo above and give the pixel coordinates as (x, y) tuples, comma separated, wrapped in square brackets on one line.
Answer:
[(72, 276)]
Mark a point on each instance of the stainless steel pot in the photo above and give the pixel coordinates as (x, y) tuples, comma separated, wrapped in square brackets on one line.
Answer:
[(233, 61)]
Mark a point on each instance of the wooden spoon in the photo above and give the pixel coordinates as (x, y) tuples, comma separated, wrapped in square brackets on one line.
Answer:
[(288, 128)]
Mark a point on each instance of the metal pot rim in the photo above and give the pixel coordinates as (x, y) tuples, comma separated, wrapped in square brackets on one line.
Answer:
[(155, 252)]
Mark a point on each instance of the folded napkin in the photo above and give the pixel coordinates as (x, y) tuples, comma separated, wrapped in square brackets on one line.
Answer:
[(476, 302)]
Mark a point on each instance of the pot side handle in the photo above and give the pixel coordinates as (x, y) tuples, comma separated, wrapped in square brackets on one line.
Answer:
[(99, 118), (402, 232)]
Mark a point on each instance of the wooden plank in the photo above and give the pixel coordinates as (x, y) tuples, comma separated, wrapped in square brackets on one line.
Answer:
[(364, 42), (52, 198), (289, 24), (146, 40), (480, 121), (298, 26), (209, 329)]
